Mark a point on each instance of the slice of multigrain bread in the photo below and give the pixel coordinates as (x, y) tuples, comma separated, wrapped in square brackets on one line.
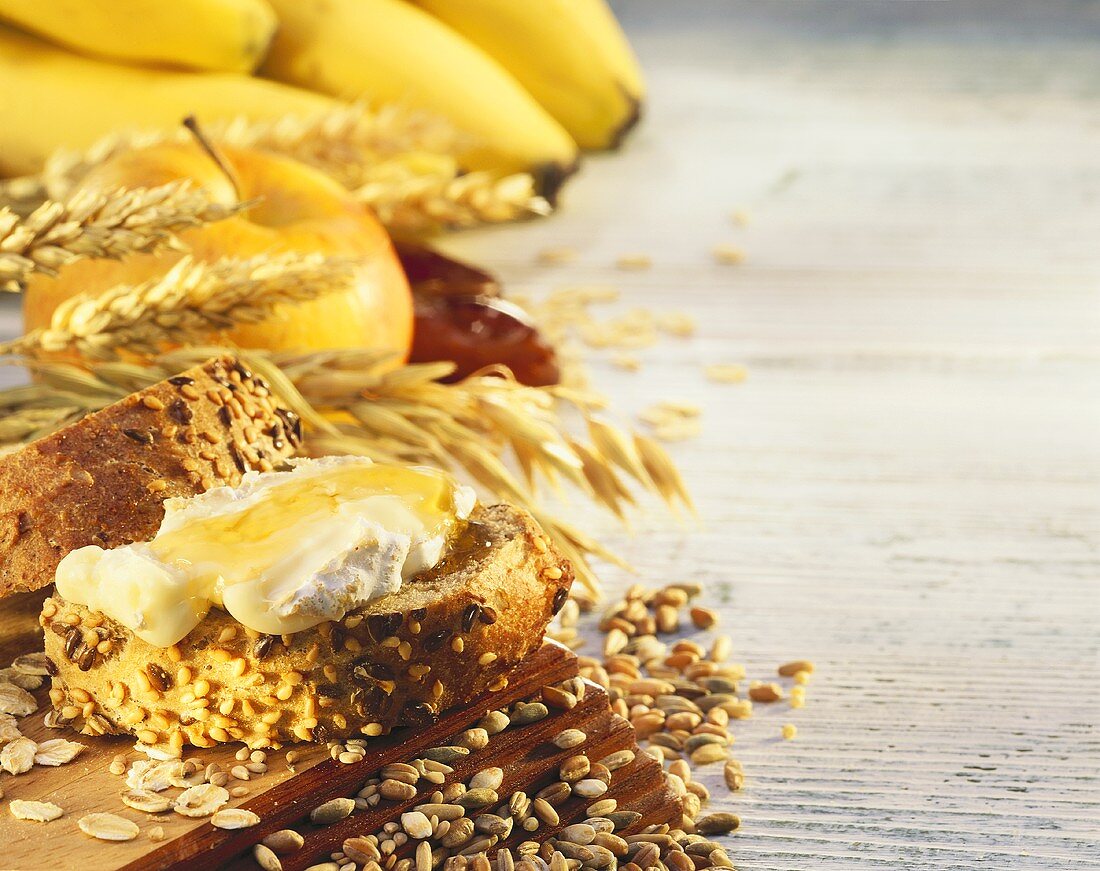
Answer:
[(445, 637), (104, 479)]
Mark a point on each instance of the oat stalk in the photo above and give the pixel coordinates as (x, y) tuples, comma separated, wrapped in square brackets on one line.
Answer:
[(423, 193), (341, 141), (111, 225), (402, 163), (480, 427), (188, 304)]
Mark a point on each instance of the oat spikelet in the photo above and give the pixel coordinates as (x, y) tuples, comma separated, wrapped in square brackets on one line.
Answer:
[(344, 142), (100, 225), (421, 193), (404, 415), (189, 303), (23, 195)]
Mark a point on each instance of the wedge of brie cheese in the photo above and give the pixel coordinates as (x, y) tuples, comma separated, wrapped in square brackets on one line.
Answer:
[(281, 552)]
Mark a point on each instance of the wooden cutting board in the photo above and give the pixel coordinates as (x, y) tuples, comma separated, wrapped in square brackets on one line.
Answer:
[(283, 798)]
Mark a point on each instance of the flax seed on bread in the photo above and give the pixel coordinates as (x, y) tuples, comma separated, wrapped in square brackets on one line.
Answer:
[(103, 480), (445, 637)]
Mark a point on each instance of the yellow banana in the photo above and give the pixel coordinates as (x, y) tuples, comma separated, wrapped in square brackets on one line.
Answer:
[(390, 51), (224, 35), (50, 99), (570, 54)]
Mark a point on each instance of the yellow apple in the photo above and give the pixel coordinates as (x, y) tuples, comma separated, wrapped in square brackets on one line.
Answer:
[(298, 209)]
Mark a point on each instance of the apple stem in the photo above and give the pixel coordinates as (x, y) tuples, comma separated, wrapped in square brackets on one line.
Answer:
[(192, 125)]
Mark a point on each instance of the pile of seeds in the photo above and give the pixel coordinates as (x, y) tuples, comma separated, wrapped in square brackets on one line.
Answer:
[(679, 695), (460, 824)]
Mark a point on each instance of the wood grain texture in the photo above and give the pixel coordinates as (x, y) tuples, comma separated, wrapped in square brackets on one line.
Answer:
[(907, 488), (283, 798)]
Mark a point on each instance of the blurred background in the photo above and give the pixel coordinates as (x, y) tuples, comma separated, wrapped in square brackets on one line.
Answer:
[(887, 213)]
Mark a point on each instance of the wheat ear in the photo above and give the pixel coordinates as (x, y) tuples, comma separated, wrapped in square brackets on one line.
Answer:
[(188, 304), (111, 224)]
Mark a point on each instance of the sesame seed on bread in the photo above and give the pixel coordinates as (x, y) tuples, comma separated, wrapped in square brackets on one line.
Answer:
[(104, 479), (446, 636)]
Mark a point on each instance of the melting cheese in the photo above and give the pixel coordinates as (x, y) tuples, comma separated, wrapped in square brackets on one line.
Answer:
[(281, 552)]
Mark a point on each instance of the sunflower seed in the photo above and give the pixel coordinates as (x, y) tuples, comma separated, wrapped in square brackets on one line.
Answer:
[(477, 798), (624, 819), (266, 858), (487, 778), (709, 753), (446, 754), (442, 811), (559, 698), (473, 739), (717, 824), (424, 856), (108, 827), (234, 818), (40, 811), (494, 722), (332, 811), (734, 775), (569, 738), (57, 751), (201, 800), (524, 714), (395, 790)]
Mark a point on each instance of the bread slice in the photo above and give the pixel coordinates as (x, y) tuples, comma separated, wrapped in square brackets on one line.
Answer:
[(103, 480), (445, 637)]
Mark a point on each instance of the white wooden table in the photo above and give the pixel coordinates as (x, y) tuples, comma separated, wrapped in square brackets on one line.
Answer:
[(907, 488)]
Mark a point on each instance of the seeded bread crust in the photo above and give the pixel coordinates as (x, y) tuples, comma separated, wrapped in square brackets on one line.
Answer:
[(104, 479), (445, 637)]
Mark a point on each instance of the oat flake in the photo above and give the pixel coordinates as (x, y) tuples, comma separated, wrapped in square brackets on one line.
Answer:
[(146, 800), (108, 827), (201, 800), (9, 728), (58, 751), (16, 701), (156, 776), (31, 663), (17, 756), (40, 811), (234, 818), (20, 678)]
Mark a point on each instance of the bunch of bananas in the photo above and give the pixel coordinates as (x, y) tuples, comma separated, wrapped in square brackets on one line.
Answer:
[(529, 81)]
